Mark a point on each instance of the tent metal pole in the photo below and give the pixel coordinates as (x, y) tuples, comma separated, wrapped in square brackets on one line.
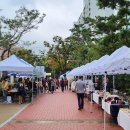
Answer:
[(32, 87), (113, 83), (91, 92), (104, 100), (37, 86)]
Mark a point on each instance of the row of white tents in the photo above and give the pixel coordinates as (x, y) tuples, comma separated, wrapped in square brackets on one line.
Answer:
[(117, 63)]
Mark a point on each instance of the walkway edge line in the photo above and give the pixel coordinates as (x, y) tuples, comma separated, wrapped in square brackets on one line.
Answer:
[(4, 123)]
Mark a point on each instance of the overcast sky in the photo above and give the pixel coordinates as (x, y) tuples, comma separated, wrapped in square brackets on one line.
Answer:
[(60, 15)]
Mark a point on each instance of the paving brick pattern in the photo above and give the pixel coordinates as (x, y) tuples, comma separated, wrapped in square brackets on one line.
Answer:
[(59, 111)]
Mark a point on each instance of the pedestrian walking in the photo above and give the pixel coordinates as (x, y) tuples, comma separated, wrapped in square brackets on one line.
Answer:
[(62, 84), (90, 89), (49, 84), (80, 89), (66, 83), (44, 87), (57, 83), (53, 85)]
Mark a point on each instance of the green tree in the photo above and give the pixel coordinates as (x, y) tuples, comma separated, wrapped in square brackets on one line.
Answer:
[(12, 30), (59, 53), (114, 30), (85, 46)]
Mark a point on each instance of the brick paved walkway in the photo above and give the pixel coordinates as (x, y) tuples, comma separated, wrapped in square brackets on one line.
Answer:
[(59, 111)]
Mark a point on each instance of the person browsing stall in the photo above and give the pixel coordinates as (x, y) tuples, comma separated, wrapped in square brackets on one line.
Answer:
[(5, 87), (90, 87)]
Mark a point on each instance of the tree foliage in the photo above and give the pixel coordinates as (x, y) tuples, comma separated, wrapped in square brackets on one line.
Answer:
[(59, 54), (12, 30), (27, 55), (114, 29)]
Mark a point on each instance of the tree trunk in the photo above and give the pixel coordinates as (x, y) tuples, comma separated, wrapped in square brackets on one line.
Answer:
[(3, 54)]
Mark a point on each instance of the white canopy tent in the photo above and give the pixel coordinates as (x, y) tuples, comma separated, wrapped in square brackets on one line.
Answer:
[(91, 69), (117, 63), (72, 72), (88, 66), (78, 72), (14, 63), (122, 65), (114, 57)]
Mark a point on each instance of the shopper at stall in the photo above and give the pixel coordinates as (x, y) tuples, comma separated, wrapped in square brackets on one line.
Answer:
[(73, 84), (21, 90), (90, 88), (97, 84), (5, 87), (108, 85), (80, 89)]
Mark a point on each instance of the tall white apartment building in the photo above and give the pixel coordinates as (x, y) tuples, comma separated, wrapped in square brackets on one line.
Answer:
[(90, 9)]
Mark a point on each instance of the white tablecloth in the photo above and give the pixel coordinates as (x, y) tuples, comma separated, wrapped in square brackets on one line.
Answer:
[(124, 119), (106, 106), (96, 98), (13, 90)]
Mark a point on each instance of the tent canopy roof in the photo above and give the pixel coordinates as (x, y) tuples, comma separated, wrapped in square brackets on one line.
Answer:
[(14, 63)]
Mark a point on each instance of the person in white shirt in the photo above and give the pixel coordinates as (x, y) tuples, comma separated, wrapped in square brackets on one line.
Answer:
[(73, 84), (86, 81), (90, 87)]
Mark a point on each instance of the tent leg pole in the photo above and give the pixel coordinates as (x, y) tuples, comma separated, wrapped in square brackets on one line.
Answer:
[(104, 126), (32, 90), (91, 111), (113, 83)]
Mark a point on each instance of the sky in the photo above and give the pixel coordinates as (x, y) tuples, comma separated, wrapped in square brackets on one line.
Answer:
[(60, 17)]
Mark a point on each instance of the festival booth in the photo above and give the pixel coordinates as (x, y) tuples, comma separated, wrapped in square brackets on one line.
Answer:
[(122, 66), (104, 66), (117, 63), (16, 64), (108, 62)]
